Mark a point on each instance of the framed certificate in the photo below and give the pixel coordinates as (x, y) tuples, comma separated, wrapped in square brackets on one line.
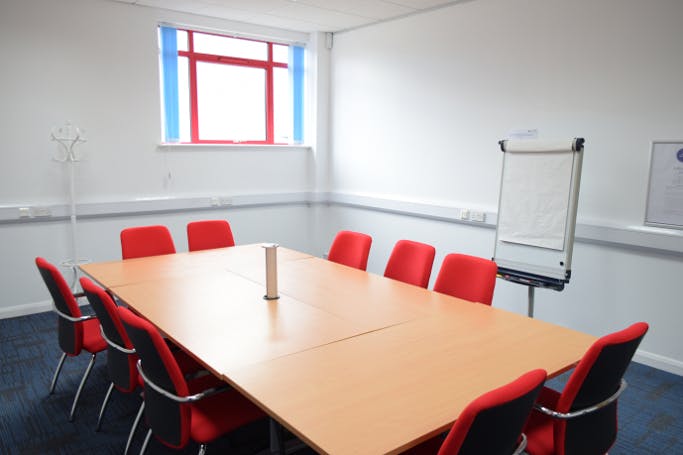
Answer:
[(665, 189)]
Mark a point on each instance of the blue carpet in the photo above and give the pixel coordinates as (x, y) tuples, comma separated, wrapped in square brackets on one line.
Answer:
[(33, 422)]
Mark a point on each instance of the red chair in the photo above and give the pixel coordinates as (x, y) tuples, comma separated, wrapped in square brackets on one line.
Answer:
[(467, 277), (76, 332), (351, 249), (491, 424), (121, 355), (143, 241), (582, 419), (411, 262), (208, 234), (178, 411)]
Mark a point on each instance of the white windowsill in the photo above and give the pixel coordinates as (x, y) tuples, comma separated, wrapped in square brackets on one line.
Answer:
[(232, 147)]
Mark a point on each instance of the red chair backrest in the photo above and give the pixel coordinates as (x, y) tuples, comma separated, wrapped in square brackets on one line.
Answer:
[(120, 366), (597, 377), (411, 262), (168, 419), (70, 334), (143, 241), (208, 234), (492, 423), (467, 277), (351, 249)]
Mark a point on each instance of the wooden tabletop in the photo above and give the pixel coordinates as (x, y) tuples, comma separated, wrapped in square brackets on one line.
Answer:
[(390, 389), (349, 361), (247, 257), (223, 319)]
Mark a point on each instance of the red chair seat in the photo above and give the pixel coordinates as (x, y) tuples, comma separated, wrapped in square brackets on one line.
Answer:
[(92, 338), (210, 419), (539, 429), (204, 382)]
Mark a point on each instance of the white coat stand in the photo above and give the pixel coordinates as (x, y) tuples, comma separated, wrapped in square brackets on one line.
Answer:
[(68, 137)]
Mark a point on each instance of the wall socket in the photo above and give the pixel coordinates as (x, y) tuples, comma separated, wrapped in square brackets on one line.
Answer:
[(472, 215), (477, 216), (220, 201), (41, 212)]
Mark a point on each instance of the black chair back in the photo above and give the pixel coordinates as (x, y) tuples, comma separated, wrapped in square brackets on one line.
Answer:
[(120, 365), (70, 333), (596, 378), (492, 424)]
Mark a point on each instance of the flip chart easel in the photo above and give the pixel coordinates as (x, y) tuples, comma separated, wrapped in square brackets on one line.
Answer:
[(537, 213)]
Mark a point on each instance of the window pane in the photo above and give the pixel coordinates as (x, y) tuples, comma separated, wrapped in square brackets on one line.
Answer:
[(232, 47), (282, 102), (280, 53), (231, 102), (182, 40), (184, 99)]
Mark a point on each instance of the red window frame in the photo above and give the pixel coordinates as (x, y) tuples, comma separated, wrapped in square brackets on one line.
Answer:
[(268, 65)]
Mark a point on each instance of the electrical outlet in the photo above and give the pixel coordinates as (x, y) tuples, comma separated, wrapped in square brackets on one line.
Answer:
[(215, 202), (226, 201), (24, 212), (464, 214), (42, 211), (478, 216)]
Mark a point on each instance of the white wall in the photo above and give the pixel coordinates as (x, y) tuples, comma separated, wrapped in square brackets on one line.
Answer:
[(433, 93), (95, 63), (420, 103)]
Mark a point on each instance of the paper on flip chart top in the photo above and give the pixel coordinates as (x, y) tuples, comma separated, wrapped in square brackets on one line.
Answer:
[(535, 197)]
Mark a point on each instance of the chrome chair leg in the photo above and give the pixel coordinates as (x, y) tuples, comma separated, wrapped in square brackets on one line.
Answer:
[(57, 371), (104, 406), (144, 444), (202, 449), (80, 387), (136, 422)]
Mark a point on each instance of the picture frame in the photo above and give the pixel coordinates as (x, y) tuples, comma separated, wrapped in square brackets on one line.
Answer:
[(664, 205)]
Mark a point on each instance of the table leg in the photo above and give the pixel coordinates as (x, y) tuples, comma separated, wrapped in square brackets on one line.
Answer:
[(277, 442)]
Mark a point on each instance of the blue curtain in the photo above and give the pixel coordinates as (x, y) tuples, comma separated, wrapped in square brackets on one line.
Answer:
[(296, 68), (169, 63)]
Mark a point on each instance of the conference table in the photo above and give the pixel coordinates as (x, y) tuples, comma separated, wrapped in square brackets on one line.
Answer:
[(349, 361)]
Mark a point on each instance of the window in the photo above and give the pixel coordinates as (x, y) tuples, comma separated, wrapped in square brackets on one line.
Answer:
[(221, 89)]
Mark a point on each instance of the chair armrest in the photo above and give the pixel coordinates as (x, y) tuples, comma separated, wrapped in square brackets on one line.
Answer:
[(174, 397), (115, 345), (72, 318), (78, 295), (581, 412)]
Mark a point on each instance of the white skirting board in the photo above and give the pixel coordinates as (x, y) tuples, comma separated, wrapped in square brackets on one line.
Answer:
[(25, 309), (660, 362), (31, 308)]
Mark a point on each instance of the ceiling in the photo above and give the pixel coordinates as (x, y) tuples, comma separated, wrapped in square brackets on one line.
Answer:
[(300, 15)]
